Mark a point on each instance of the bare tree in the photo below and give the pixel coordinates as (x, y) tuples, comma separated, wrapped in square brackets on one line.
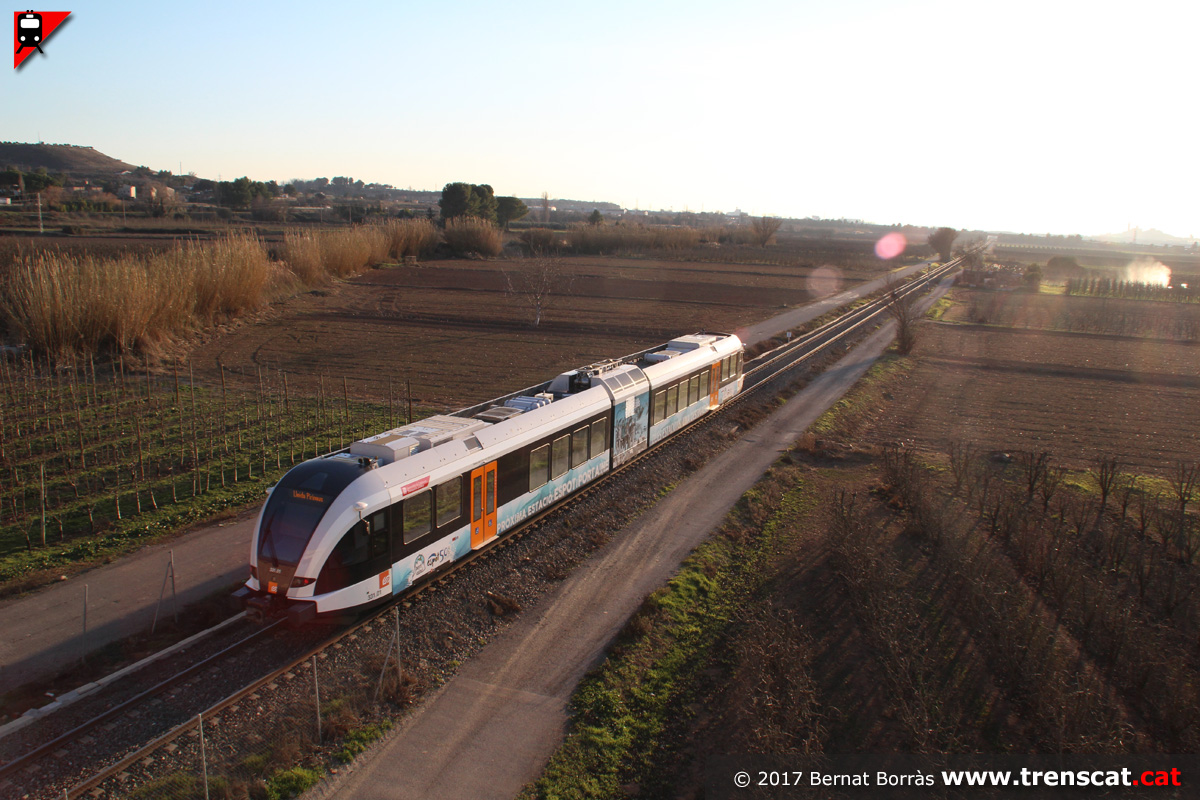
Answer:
[(764, 228), (903, 309), (1106, 474), (538, 283)]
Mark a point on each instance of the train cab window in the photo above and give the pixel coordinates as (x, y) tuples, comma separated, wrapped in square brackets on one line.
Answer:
[(449, 501), (579, 447), (672, 400), (740, 362), (354, 548), (704, 383), (559, 456), (539, 467), (378, 530), (599, 436), (361, 553), (416, 517)]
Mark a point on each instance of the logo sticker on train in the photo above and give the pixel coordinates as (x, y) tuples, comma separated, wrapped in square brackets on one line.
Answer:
[(414, 487), (31, 29)]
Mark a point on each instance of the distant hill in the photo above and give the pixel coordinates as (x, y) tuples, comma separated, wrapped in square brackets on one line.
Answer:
[(1142, 236), (69, 158)]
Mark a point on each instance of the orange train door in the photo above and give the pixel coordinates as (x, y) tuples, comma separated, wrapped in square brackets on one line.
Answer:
[(483, 505), (714, 385)]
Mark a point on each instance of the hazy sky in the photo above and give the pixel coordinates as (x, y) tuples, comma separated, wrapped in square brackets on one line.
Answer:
[(1064, 117)]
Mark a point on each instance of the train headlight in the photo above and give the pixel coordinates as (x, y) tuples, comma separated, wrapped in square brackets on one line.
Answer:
[(298, 582)]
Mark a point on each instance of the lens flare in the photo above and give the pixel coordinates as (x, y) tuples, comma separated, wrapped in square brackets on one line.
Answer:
[(825, 281), (891, 245), (1147, 270)]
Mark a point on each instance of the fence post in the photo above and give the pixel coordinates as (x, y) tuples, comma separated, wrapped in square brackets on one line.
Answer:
[(42, 467), (387, 655), (203, 757), (170, 575), (317, 695), (83, 639)]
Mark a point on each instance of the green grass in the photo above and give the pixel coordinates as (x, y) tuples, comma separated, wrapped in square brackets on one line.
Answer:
[(359, 739), (940, 308), (291, 782), (625, 712), (865, 396)]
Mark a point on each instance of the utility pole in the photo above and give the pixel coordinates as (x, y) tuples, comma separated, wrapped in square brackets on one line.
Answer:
[(40, 228)]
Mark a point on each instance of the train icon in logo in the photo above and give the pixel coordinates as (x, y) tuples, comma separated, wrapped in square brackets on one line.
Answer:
[(29, 31)]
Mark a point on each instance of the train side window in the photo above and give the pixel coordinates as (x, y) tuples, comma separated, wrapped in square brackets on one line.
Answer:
[(559, 456), (693, 389), (539, 466), (704, 383), (449, 501), (741, 362), (672, 399), (658, 412), (579, 447), (724, 369), (599, 436), (491, 491), (416, 517)]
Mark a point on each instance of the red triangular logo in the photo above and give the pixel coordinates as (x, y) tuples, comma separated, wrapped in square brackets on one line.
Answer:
[(31, 29)]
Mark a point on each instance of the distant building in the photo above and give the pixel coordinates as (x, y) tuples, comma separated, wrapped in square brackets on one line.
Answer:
[(127, 192)]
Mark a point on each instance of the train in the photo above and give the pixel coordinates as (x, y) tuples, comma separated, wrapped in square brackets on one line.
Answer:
[(347, 531)]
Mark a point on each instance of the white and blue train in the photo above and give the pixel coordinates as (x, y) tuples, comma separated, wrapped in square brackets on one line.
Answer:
[(349, 530)]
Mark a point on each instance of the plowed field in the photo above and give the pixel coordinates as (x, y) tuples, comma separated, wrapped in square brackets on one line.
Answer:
[(454, 330), (1077, 396)]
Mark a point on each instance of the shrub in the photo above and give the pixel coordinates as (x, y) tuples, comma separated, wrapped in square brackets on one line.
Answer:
[(472, 235)]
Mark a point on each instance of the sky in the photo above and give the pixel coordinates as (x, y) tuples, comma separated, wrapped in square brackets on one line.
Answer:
[(1042, 117)]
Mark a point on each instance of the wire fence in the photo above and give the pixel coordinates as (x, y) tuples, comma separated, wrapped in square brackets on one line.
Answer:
[(280, 739)]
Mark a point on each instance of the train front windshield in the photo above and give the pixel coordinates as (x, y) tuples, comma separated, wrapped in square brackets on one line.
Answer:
[(297, 505)]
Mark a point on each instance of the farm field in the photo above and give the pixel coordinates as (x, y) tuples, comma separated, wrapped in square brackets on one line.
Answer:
[(1077, 396), (455, 332)]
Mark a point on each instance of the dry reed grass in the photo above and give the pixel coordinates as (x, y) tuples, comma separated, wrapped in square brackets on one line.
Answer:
[(302, 254), (472, 235), (317, 256), (412, 238), (59, 303)]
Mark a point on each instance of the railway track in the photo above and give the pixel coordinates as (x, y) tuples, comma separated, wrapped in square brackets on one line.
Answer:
[(191, 705)]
